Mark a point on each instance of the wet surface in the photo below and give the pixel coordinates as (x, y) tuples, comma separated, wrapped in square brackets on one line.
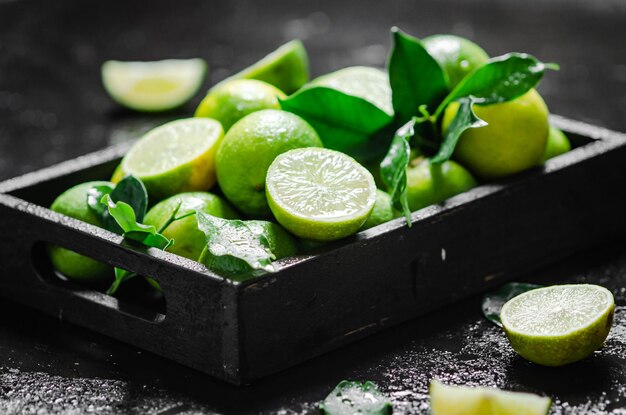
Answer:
[(52, 108)]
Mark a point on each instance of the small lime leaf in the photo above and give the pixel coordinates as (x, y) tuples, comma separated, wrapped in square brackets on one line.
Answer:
[(494, 300), (350, 398), (228, 239)]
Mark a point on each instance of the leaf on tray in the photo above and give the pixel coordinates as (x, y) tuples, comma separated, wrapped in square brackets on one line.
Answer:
[(227, 239), (494, 300), (502, 79), (415, 77)]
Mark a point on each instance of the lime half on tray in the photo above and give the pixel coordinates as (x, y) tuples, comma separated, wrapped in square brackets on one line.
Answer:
[(319, 194), (153, 86), (557, 325), (465, 400), (176, 157)]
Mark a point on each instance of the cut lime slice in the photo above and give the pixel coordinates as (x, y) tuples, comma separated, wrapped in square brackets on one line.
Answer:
[(153, 86), (557, 325), (465, 400), (320, 194), (176, 157), (287, 68)]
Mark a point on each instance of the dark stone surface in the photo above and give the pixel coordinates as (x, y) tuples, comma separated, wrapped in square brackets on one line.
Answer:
[(52, 108)]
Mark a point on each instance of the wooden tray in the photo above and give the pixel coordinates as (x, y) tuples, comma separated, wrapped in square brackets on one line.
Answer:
[(240, 332)]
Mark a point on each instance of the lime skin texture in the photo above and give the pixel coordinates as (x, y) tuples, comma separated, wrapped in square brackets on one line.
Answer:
[(249, 148), (73, 203), (557, 144), (514, 139), (383, 211), (456, 55)]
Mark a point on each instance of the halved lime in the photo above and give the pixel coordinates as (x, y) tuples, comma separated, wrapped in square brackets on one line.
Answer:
[(287, 68), (465, 400), (176, 157), (153, 86), (319, 194), (557, 325)]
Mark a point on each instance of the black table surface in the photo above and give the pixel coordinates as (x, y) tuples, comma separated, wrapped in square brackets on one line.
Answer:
[(53, 108)]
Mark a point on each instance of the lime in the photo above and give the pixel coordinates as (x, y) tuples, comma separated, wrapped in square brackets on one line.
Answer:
[(280, 242), (320, 194), (176, 157), (230, 101), (558, 143), (371, 84), (287, 68), (153, 86), (466, 400), (456, 55), (73, 203), (557, 325), (427, 184), (514, 139), (249, 148), (382, 212), (189, 241)]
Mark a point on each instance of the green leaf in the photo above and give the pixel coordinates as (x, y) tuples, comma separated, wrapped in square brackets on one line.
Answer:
[(125, 217), (463, 120), (95, 195), (230, 239), (493, 301), (394, 165), (502, 79), (415, 76), (346, 107), (349, 398), (132, 191)]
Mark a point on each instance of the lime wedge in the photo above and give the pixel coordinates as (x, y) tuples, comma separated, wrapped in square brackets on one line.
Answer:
[(557, 325), (176, 157), (465, 400), (153, 86), (287, 68), (319, 194)]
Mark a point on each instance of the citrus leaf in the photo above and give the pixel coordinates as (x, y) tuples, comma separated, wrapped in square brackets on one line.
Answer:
[(463, 120), (415, 76), (502, 79), (394, 165), (346, 107), (493, 301), (95, 195), (356, 398), (132, 191), (227, 239), (121, 276)]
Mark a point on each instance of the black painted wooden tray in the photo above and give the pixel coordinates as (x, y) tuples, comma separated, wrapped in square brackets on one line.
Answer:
[(240, 332)]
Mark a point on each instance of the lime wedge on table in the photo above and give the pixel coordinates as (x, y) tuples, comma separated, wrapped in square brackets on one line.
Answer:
[(320, 194), (557, 325), (153, 86), (287, 68), (176, 157), (465, 400)]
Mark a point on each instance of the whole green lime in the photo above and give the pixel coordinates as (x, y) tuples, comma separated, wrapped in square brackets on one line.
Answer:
[(428, 184), (249, 148), (558, 143), (514, 139), (73, 203), (230, 101), (280, 242), (189, 241), (456, 55), (383, 211)]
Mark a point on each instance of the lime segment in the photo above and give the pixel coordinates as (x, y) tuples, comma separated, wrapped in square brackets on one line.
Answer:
[(320, 194), (557, 325), (153, 86), (176, 157), (465, 400)]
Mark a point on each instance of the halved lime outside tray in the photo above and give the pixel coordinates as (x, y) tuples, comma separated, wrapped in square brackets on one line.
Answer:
[(346, 290)]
